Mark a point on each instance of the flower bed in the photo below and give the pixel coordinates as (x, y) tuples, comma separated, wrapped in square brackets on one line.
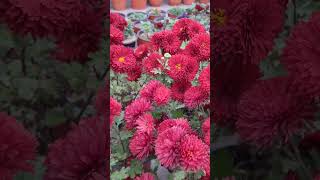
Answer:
[(160, 100)]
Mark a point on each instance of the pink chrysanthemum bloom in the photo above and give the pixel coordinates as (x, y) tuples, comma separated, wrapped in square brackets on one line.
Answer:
[(204, 79), (199, 47), (141, 145), (145, 176), (135, 72), (272, 111), (142, 51), (116, 36), (134, 110), (167, 146), (18, 147), (162, 95), (152, 62), (302, 53), (145, 123), (178, 89), (194, 153), (182, 67), (81, 154), (194, 97), (122, 58), (149, 89), (186, 28), (206, 126), (115, 109), (169, 123), (118, 21), (167, 41)]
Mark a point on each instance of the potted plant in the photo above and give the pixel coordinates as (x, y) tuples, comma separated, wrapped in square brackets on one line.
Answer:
[(204, 1), (176, 12), (188, 2), (138, 4), (174, 2), (156, 3), (144, 35), (119, 5), (160, 22), (130, 36), (154, 13), (169, 24), (137, 16)]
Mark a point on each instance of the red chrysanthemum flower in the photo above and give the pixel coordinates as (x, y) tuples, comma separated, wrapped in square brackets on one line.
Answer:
[(167, 146), (18, 147), (263, 23), (178, 89), (182, 67), (302, 53), (116, 36), (194, 153), (122, 58), (228, 87), (149, 89), (115, 109), (80, 36), (204, 79), (194, 97), (152, 62), (169, 123), (81, 154), (186, 28), (167, 41), (199, 47), (162, 95), (134, 110), (273, 110), (145, 123), (142, 51), (36, 17), (135, 73), (245, 30), (145, 176), (118, 21), (141, 144), (206, 126)]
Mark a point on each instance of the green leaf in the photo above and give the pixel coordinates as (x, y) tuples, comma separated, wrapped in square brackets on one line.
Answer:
[(55, 117), (136, 168), (177, 113), (39, 171), (26, 87), (120, 175), (126, 135), (179, 175), (223, 164)]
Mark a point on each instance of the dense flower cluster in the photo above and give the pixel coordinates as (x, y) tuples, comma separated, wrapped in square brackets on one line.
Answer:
[(174, 75)]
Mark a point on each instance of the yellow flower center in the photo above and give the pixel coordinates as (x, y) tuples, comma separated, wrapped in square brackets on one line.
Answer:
[(178, 66), (219, 17), (121, 59)]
